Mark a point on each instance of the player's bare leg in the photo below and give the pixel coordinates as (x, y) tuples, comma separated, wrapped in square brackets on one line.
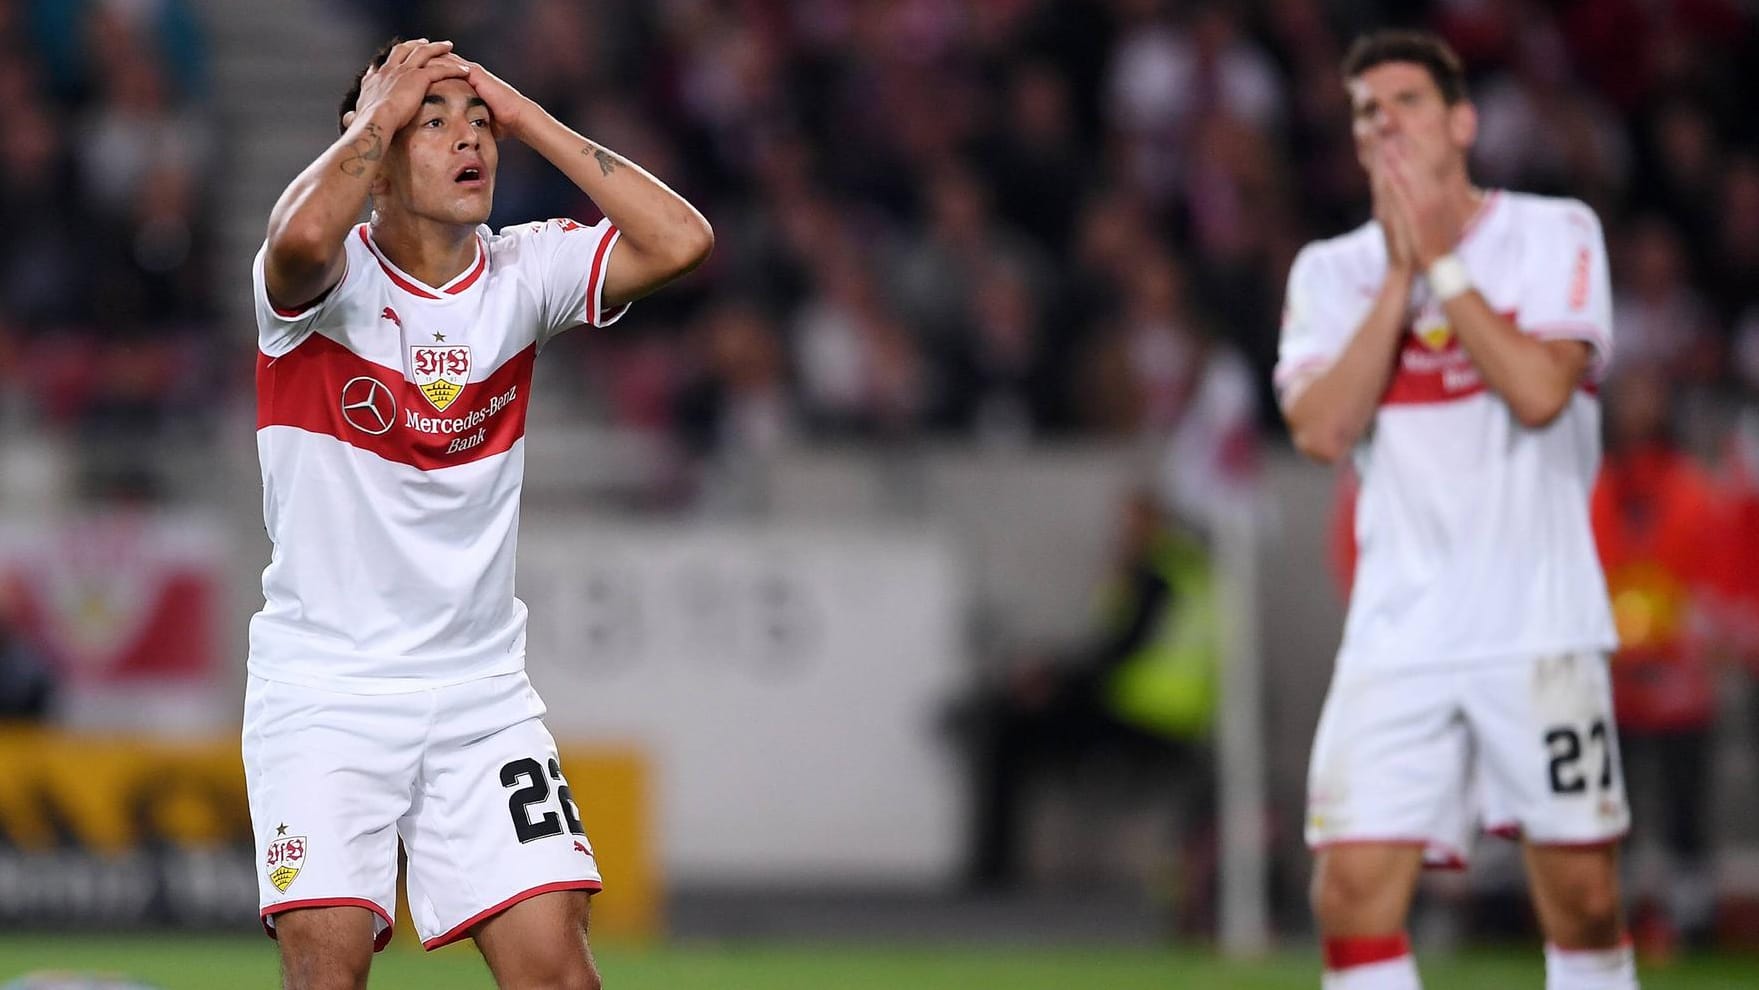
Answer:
[(1576, 896), (326, 948), (540, 944), (1361, 895)]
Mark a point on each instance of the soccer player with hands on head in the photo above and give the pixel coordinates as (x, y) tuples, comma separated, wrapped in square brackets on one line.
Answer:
[(1454, 344), (387, 699)]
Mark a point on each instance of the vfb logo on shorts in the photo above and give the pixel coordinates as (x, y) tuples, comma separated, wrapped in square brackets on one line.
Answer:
[(441, 371), (286, 857)]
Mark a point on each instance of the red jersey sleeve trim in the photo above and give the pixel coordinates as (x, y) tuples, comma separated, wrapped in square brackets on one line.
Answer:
[(303, 311), (595, 278)]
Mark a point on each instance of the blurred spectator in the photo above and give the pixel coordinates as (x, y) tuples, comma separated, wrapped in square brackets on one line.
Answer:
[(1539, 132), (862, 373), (739, 400), (106, 286), (27, 687), (77, 38), (1143, 687), (998, 388), (1167, 74), (1660, 319), (1649, 510), (1034, 156), (938, 269)]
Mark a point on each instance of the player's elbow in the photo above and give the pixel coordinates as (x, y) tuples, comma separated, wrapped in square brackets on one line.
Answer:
[(1323, 446), (1537, 412), (695, 242), (297, 246)]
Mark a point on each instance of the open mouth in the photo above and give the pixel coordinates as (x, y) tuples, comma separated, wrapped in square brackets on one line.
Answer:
[(468, 174)]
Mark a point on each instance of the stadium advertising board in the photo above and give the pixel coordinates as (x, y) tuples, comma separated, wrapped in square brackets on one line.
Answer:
[(118, 597), (786, 685), (121, 832)]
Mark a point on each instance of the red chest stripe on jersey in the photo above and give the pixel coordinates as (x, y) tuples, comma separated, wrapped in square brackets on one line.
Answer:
[(322, 387), (1434, 370)]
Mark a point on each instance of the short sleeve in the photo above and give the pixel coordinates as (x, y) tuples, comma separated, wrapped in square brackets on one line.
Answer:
[(1318, 321), (281, 330), (571, 259), (1566, 293)]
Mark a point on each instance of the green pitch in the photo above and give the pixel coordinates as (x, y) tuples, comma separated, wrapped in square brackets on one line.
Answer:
[(187, 963)]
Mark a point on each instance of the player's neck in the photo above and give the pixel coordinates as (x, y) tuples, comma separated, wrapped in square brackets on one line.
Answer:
[(1466, 196), (433, 252)]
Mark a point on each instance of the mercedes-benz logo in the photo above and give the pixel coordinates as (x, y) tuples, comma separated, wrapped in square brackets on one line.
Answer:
[(368, 405)]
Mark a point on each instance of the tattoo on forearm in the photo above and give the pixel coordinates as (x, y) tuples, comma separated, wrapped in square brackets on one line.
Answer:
[(607, 162), (369, 148)]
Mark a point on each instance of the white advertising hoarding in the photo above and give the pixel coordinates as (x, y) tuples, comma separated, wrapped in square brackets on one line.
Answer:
[(786, 684)]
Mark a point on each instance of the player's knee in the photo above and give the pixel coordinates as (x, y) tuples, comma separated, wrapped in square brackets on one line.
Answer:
[(316, 971), (1590, 909), (559, 978), (1339, 894)]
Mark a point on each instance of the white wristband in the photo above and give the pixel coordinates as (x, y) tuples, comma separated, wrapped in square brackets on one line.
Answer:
[(1448, 277)]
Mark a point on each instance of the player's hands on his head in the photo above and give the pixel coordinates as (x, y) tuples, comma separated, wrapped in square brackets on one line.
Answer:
[(402, 82), (509, 109)]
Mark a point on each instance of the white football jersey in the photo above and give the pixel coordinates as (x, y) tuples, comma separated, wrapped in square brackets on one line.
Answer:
[(390, 426), (1472, 530)]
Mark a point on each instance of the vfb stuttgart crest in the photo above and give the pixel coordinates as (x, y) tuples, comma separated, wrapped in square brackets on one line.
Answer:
[(440, 371), (1435, 334), (285, 858)]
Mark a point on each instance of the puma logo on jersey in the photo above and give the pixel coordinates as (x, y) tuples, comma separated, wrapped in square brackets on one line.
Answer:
[(391, 314), (580, 848)]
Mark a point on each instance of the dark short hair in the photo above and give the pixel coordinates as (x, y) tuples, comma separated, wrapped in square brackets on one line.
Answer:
[(352, 97), (1417, 47)]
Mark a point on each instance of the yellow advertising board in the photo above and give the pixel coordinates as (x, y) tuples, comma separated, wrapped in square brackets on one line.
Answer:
[(123, 832)]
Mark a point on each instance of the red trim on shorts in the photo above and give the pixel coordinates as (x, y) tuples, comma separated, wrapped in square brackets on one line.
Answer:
[(1611, 840), (381, 938), (1451, 859), (462, 930), (1351, 951)]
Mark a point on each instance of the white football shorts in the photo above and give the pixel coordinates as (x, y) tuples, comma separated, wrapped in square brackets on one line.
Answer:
[(1523, 749), (466, 775)]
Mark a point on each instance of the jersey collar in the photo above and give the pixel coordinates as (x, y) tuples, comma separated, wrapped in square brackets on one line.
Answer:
[(416, 287)]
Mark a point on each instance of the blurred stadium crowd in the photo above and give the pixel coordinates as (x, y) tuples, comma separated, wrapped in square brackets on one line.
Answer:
[(987, 221), (990, 219)]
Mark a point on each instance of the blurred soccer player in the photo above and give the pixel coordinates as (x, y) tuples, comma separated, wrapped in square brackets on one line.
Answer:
[(1453, 342), (387, 696)]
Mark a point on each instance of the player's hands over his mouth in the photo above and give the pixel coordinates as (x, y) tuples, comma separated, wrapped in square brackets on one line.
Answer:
[(1432, 220)]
